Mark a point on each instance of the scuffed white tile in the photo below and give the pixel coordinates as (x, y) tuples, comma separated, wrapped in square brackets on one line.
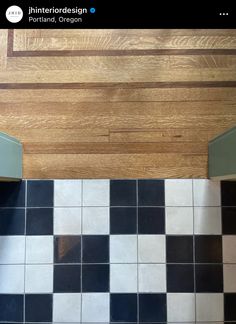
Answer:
[(209, 307), (39, 278), (180, 307), (179, 220), (12, 249), (206, 192), (123, 248), (67, 193), (96, 220), (151, 248), (95, 308), (96, 193), (229, 249), (178, 192), (207, 220), (67, 307), (11, 279), (152, 278), (39, 249), (123, 278), (67, 221), (230, 278)]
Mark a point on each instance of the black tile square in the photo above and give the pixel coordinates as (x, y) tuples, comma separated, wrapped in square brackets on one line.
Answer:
[(11, 308), (12, 194), (123, 193), (67, 249), (40, 193), (67, 278), (123, 220), (228, 193), (39, 221), (208, 248), (38, 308), (209, 278), (151, 193), (95, 278), (230, 306), (152, 308), (228, 220), (95, 248), (12, 221), (151, 220), (179, 249), (180, 278), (123, 308)]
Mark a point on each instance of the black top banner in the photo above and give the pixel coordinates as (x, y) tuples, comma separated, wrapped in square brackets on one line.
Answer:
[(115, 14)]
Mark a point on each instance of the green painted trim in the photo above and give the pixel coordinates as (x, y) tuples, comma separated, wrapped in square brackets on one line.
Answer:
[(10, 158), (222, 156)]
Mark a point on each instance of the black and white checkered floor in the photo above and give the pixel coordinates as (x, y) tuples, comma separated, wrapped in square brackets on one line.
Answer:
[(119, 251)]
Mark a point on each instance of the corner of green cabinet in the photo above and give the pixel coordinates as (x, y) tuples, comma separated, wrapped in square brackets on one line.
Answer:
[(222, 156), (11, 155)]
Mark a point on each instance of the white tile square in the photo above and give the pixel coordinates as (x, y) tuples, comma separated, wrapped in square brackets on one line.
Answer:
[(123, 248), (39, 249), (123, 278), (206, 192), (12, 279), (96, 220), (67, 221), (12, 249), (229, 249), (178, 192), (151, 248), (95, 308), (152, 277), (67, 193), (209, 307), (179, 220), (207, 220), (39, 278), (96, 193), (230, 278), (67, 307), (180, 307)]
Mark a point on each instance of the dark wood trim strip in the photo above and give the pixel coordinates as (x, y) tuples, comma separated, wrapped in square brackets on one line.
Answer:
[(125, 52), (136, 52), (120, 85), (10, 42)]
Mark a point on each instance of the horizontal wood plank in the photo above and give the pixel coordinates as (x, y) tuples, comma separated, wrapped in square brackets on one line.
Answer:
[(109, 166), (122, 40), (133, 72), (114, 148), (118, 95)]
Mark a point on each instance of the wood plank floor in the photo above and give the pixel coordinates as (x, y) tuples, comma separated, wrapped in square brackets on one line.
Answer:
[(117, 103)]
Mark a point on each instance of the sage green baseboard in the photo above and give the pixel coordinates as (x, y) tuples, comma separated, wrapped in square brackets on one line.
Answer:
[(10, 158), (222, 156)]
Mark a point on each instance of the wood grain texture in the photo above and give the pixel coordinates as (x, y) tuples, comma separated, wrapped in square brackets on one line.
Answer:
[(3, 48), (46, 40), (112, 166), (117, 103), (118, 94)]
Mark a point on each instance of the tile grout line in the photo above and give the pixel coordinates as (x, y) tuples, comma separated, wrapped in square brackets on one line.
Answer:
[(194, 259), (165, 263), (222, 236), (53, 203), (109, 236), (137, 235), (26, 187), (81, 252)]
